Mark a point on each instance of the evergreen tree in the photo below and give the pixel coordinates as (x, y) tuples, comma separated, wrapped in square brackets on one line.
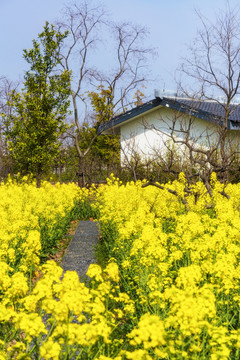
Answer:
[(40, 109)]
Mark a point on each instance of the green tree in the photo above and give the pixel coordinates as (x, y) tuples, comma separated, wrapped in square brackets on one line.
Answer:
[(97, 152), (40, 109), (106, 148), (92, 148)]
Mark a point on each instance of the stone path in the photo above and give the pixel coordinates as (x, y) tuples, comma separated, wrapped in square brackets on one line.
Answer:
[(80, 252)]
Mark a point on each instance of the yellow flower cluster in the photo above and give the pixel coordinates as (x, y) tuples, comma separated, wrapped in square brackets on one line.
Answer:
[(24, 212), (27, 214), (63, 317), (59, 317), (181, 263), (170, 288)]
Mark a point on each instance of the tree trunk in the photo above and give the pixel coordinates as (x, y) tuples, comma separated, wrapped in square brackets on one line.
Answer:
[(81, 172), (38, 175), (38, 180)]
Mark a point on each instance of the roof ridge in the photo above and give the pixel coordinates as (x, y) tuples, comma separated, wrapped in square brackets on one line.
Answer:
[(215, 101)]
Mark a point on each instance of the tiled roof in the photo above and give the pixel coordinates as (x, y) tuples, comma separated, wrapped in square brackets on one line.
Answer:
[(213, 108), (210, 111), (117, 120)]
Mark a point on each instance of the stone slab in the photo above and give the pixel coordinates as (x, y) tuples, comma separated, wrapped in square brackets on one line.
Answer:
[(80, 252)]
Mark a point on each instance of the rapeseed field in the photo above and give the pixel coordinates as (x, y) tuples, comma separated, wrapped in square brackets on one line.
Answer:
[(168, 286)]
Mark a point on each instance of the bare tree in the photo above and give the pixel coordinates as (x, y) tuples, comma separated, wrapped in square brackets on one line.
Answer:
[(214, 58), (6, 87), (197, 154), (84, 24), (214, 66), (129, 59)]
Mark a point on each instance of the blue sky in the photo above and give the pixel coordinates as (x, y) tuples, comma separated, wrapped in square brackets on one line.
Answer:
[(172, 25)]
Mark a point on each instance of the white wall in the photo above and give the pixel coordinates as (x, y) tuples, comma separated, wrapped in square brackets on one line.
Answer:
[(149, 134)]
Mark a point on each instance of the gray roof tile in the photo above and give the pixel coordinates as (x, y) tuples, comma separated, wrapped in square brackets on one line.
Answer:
[(211, 111), (212, 107)]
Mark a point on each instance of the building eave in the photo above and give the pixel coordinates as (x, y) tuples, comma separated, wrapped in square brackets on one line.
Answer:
[(171, 103), (129, 115), (191, 111)]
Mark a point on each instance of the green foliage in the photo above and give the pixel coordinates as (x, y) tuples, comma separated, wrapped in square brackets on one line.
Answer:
[(102, 104), (138, 98), (98, 155), (106, 148), (53, 231), (169, 225), (105, 246), (84, 210), (40, 110)]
